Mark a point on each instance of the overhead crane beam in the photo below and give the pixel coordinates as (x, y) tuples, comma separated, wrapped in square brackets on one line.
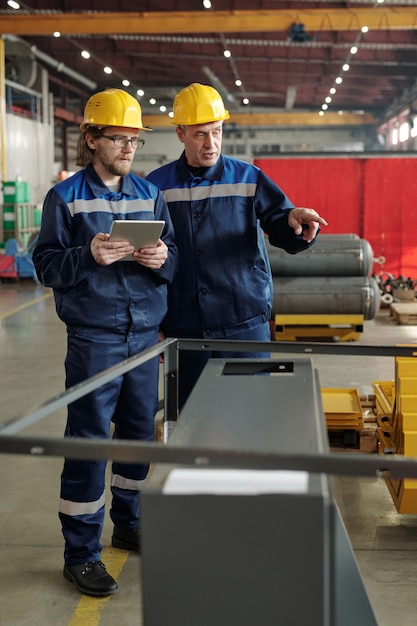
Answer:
[(277, 120), (284, 119), (169, 22)]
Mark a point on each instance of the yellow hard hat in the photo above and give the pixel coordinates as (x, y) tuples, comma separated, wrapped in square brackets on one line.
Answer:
[(113, 107), (198, 104)]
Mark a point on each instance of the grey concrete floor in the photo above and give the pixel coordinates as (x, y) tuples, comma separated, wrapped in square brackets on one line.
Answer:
[(32, 588)]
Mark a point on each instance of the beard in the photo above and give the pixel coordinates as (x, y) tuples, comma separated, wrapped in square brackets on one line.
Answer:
[(117, 168), (113, 164)]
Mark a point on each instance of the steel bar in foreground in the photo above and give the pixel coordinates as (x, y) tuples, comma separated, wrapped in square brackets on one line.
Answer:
[(295, 347), (151, 452)]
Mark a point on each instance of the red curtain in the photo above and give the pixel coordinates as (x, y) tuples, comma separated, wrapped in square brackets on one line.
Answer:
[(374, 198), (390, 213)]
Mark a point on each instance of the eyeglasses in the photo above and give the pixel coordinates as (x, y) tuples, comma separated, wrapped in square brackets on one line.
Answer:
[(123, 142)]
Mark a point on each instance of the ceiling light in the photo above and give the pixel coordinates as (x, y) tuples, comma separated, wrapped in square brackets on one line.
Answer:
[(328, 99), (346, 67), (152, 101), (140, 92), (207, 4), (227, 54), (107, 70), (321, 113), (364, 29), (340, 112), (162, 108), (57, 33), (125, 82), (353, 50), (85, 54), (324, 107), (171, 114), (332, 90), (13, 5), (245, 100), (238, 82), (339, 80)]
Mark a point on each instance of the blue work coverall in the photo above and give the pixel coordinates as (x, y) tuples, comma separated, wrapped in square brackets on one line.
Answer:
[(111, 313), (224, 288)]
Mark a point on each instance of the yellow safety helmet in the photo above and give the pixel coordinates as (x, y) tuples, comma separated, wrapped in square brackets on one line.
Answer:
[(113, 107), (198, 104)]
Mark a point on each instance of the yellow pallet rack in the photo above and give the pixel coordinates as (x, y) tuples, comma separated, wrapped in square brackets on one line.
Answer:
[(342, 408), (396, 405)]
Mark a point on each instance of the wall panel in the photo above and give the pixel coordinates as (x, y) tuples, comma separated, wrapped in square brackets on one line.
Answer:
[(29, 155)]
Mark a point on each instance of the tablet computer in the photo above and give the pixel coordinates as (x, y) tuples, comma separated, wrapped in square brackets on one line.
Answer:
[(139, 233)]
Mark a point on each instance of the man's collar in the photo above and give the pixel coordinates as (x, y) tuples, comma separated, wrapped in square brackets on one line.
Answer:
[(101, 189)]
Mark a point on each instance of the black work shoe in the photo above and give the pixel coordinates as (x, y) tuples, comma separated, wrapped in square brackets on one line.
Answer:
[(126, 539), (91, 578)]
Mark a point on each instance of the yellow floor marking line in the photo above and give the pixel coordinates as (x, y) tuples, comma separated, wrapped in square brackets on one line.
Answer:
[(24, 306), (89, 609)]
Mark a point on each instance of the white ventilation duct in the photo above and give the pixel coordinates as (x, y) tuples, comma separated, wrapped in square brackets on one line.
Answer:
[(60, 67)]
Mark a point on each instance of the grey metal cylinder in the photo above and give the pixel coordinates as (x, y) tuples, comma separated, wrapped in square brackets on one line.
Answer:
[(326, 295), (331, 255)]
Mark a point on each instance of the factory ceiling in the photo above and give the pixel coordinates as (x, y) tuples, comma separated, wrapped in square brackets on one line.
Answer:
[(266, 57)]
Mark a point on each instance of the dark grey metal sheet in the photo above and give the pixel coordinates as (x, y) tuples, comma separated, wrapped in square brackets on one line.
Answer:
[(260, 559), (351, 604), (277, 410)]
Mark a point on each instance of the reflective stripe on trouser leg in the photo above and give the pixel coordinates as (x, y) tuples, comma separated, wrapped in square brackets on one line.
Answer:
[(83, 482)]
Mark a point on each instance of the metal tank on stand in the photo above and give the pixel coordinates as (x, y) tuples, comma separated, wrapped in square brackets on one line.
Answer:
[(325, 291)]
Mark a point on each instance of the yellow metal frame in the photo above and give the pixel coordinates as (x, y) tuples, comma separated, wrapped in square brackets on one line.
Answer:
[(291, 327)]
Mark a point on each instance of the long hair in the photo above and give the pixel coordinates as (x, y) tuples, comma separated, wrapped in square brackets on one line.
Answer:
[(84, 154)]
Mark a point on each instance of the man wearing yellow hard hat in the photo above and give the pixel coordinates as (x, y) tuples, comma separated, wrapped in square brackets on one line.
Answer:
[(221, 207), (112, 308)]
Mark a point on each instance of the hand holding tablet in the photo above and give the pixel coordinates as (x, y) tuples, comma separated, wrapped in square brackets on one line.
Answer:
[(139, 233)]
